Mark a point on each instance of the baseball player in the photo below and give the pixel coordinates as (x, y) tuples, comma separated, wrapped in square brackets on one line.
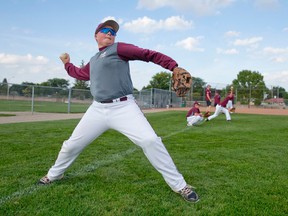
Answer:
[(230, 105), (208, 98), (194, 116), (114, 107), (217, 98), (221, 108)]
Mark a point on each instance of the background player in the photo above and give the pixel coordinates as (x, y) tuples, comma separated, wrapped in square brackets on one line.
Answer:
[(217, 98), (221, 108), (194, 115), (208, 98)]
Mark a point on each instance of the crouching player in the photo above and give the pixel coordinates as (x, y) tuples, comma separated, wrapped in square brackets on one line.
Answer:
[(194, 116)]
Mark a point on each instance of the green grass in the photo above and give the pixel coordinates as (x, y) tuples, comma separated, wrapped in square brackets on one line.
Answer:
[(239, 168), (41, 106), (6, 115)]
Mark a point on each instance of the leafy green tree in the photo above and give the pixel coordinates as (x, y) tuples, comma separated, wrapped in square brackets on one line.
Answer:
[(250, 86), (3, 87), (56, 82), (161, 80), (197, 88)]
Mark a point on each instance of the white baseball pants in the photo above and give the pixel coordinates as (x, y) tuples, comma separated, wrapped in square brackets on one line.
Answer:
[(219, 109), (194, 120), (127, 118)]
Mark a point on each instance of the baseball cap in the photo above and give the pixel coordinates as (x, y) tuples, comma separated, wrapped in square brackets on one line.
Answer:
[(196, 103), (111, 23)]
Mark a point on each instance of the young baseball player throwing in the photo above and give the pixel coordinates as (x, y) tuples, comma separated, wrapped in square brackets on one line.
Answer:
[(115, 108)]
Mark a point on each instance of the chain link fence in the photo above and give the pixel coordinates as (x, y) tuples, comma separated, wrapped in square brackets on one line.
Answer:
[(28, 98)]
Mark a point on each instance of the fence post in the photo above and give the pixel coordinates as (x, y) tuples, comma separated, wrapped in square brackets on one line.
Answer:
[(32, 101), (69, 100)]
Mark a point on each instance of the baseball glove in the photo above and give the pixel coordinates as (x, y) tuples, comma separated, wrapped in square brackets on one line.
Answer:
[(232, 109), (181, 81), (206, 114)]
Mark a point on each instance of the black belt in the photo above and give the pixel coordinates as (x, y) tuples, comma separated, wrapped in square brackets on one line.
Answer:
[(115, 100)]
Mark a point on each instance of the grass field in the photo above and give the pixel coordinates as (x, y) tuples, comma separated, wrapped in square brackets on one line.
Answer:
[(41, 106), (239, 168)]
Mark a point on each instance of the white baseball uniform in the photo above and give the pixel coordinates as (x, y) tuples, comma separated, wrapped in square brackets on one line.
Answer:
[(115, 108)]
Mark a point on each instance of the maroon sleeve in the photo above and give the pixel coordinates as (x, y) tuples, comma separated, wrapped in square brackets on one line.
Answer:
[(189, 112), (78, 73), (129, 52)]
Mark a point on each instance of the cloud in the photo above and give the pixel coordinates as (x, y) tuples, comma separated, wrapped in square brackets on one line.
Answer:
[(267, 4), (199, 7), (271, 50), (228, 51), (232, 34), (247, 42), (279, 59), (279, 54), (278, 78), (18, 59), (190, 44), (148, 25)]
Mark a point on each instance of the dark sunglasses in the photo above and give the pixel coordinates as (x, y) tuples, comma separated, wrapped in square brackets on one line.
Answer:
[(106, 30)]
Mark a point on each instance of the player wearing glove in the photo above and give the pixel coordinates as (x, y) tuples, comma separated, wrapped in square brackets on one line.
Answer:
[(114, 107), (221, 107), (194, 116)]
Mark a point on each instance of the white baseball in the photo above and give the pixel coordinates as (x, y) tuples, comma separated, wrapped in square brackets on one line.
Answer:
[(64, 56)]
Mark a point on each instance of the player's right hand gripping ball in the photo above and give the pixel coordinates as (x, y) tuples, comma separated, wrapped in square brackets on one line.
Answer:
[(181, 81)]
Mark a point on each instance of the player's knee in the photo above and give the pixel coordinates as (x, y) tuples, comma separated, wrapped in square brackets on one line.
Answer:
[(69, 147), (149, 141)]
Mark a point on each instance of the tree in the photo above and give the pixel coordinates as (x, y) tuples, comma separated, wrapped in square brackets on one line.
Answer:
[(56, 82), (197, 88), (161, 80), (250, 86), (3, 86)]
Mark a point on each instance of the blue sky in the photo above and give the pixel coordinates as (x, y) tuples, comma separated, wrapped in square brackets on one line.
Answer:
[(212, 39)]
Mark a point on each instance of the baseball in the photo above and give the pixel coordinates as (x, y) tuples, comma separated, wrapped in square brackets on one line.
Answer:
[(64, 56)]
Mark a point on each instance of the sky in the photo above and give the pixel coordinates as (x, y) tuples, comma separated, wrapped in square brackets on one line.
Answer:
[(212, 39)]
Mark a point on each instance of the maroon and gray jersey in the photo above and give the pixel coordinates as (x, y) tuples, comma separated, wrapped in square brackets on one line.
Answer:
[(109, 72), (225, 101), (193, 111), (217, 99)]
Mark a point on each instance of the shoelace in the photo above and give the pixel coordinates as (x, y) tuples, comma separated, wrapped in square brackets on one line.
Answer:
[(187, 190)]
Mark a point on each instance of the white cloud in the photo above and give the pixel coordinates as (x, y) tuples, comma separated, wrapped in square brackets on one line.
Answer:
[(228, 51), (190, 44), (18, 59), (199, 7), (285, 29), (232, 34), (278, 78), (247, 42), (279, 59), (148, 25), (271, 50), (267, 4)]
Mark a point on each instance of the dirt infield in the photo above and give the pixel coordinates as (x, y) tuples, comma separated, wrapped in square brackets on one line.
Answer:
[(29, 117)]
